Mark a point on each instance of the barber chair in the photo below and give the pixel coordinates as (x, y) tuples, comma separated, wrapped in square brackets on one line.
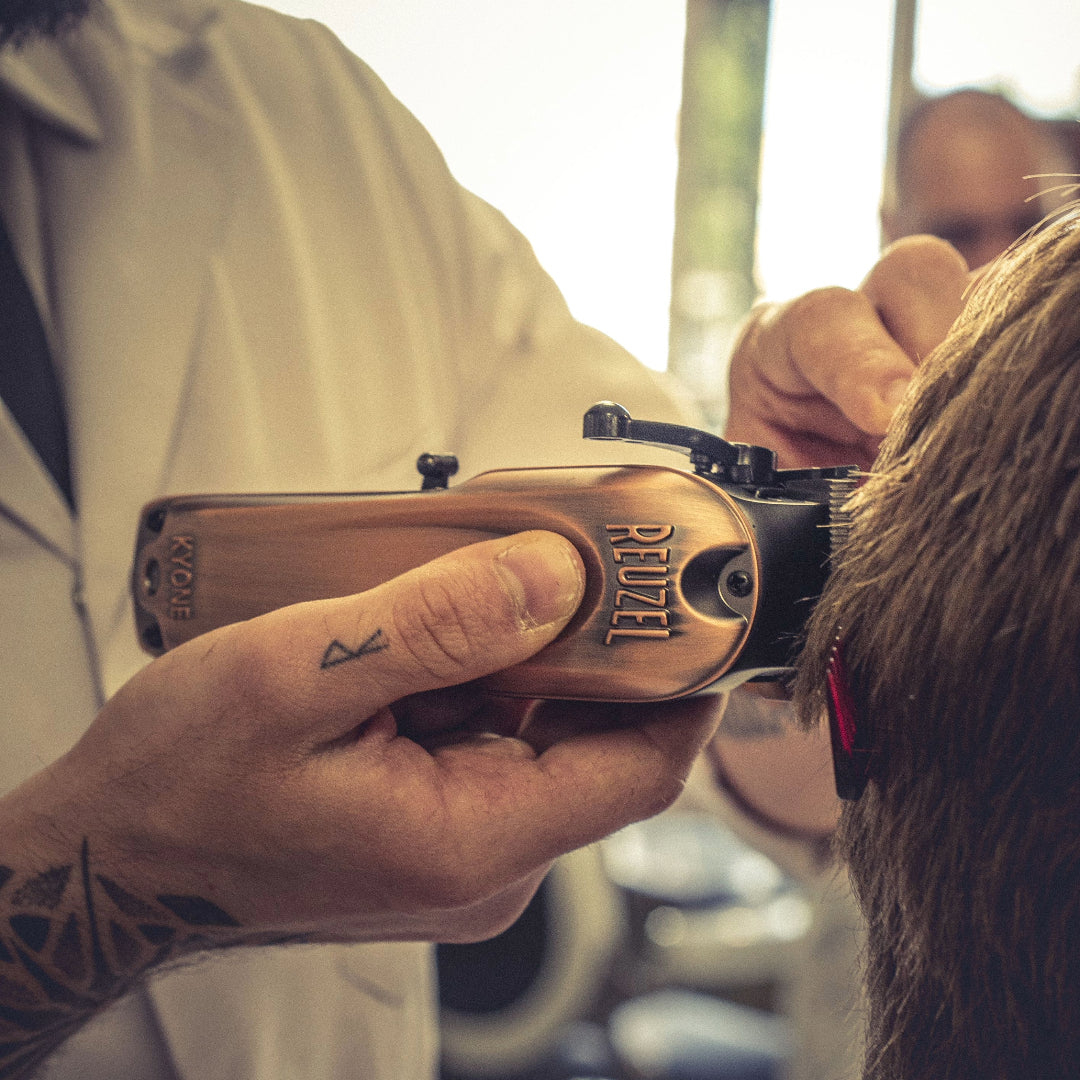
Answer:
[(627, 965), (514, 1007)]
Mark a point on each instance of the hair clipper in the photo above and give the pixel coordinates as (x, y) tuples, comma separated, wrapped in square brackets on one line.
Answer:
[(695, 579)]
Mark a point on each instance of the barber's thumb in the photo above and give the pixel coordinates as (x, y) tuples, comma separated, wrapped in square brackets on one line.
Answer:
[(471, 612)]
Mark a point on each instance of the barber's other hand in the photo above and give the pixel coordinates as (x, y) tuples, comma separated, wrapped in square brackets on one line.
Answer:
[(817, 378), (261, 767)]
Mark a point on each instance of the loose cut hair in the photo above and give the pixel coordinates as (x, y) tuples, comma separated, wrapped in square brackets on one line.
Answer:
[(957, 598)]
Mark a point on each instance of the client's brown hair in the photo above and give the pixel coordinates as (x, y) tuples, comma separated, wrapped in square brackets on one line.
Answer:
[(958, 600)]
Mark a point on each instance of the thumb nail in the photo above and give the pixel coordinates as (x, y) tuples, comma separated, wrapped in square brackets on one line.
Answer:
[(543, 575)]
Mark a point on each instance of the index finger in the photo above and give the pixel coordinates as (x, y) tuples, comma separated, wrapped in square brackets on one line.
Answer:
[(583, 786), (837, 347)]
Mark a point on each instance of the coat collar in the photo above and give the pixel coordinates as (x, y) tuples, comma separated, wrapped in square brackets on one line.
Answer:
[(119, 210), (42, 77)]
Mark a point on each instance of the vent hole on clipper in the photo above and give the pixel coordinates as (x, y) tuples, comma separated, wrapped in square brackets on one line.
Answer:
[(151, 577), (152, 639)]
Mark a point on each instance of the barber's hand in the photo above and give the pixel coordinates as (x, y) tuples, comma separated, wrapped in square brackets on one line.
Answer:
[(260, 770), (817, 379)]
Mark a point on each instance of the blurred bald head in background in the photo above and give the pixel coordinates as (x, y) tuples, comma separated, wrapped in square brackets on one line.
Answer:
[(961, 164)]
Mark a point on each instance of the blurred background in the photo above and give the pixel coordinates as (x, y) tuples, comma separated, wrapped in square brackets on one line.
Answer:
[(672, 162)]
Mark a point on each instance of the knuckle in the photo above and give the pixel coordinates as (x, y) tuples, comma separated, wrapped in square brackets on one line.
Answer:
[(439, 627), (823, 327), (251, 667), (787, 345), (750, 340), (760, 315), (819, 306)]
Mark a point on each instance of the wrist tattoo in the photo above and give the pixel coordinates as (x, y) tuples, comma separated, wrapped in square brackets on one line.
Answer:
[(71, 941), (337, 653)]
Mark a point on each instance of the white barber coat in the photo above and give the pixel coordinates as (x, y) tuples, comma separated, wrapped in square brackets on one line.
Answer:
[(256, 274)]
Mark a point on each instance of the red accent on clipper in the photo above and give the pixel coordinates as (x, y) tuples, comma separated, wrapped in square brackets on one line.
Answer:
[(851, 758)]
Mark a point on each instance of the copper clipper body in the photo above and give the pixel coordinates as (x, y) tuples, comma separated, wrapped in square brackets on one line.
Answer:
[(694, 580)]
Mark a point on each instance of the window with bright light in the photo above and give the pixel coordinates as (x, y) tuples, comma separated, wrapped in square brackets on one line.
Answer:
[(1025, 48), (827, 105), (823, 152)]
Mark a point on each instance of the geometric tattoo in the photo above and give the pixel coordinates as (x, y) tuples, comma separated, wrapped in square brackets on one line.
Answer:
[(72, 941), (336, 653)]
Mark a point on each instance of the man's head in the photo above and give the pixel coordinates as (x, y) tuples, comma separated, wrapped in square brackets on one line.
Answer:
[(21, 20), (970, 168), (958, 603)]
